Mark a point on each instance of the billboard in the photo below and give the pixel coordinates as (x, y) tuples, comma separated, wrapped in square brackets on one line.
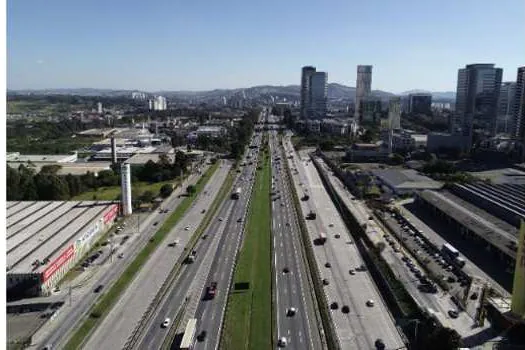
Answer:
[(92, 231), (111, 213), (518, 289), (58, 263)]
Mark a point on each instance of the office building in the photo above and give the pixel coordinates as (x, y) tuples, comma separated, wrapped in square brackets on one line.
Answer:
[(369, 110), (363, 86), (318, 91), (419, 103), (100, 110), (159, 103), (506, 107), (394, 113), (519, 105), (476, 100), (306, 73)]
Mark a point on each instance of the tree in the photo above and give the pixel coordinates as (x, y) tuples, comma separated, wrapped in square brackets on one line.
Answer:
[(191, 189), (147, 196), (166, 190)]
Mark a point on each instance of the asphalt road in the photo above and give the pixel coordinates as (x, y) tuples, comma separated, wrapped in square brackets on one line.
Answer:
[(291, 288), (362, 325), (124, 317), (70, 316), (215, 258), (210, 313)]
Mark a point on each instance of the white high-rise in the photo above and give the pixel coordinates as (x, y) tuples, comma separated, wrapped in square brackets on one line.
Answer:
[(159, 103), (318, 90), (100, 110), (363, 87)]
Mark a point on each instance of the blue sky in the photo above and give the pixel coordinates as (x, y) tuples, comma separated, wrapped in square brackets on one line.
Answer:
[(206, 44)]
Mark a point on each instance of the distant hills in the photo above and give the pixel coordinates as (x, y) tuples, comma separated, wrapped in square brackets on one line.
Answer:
[(335, 92)]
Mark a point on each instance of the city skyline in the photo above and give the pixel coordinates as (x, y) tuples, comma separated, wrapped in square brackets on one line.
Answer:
[(91, 47)]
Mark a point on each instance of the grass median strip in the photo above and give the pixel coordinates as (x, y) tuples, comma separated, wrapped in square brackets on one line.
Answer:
[(248, 322), (107, 300)]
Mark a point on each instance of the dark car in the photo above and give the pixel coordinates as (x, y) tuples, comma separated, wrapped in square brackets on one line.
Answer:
[(328, 265), (286, 270), (155, 223), (334, 305), (99, 288), (201, 336), (379, 344), (345, 309)]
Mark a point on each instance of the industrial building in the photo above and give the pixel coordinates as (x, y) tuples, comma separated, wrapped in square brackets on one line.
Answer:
[(46, 239), (404, 181)]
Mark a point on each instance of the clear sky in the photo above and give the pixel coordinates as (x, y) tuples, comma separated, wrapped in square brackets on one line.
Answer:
[(205, 44)]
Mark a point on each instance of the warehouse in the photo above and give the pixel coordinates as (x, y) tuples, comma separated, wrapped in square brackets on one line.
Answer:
[(404, 181), (45, 239)]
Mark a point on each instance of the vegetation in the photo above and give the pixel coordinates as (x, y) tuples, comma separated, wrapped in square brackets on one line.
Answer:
[(25, 184), (248, 322), (107, 300)]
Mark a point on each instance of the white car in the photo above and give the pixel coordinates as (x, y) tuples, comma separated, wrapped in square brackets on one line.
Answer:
[(121, 255), (187, 228), (370, 303), (282, 342), (291, 311), (166, 323)]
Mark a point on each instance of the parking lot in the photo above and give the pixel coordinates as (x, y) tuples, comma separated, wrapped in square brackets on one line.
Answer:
[(430, 256)]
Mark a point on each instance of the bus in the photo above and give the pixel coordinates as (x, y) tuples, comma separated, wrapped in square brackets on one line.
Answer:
[(236, 193), (189, 335), (450, 250)]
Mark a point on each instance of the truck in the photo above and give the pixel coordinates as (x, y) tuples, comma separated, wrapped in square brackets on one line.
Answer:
[(450, 251), (211, 290), (236, 193), (311, 216)]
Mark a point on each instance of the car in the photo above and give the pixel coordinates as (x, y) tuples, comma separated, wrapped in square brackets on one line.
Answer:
[(287, 224), (451, 279), (370, 303), (121, 255), (48, 347), (201, 336), (166, 323), (345, 309), (337, 235), (186, 228), (203, 211), (291, 311), (370, 218), (328, 265), (220, 219), (282, 342), (474, 296), (204, 237), (334, 305), (330, 225), (325, 281), (453, 313), (379, 344), (98, 289), (361, 268), (239, 220), (351, 271), (286, 270), (155, 223)]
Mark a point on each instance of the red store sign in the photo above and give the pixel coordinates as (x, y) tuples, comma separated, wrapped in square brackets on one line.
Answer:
[(58, 263)]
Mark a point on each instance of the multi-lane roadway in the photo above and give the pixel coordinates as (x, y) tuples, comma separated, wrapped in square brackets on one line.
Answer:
[(57, 332), (295, 312)]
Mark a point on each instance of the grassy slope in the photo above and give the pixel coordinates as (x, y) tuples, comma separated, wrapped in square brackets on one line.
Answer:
[(112, 294), (113, 192), (248, 323)]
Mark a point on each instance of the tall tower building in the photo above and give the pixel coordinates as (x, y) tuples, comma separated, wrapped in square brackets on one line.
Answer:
[(519, 105), (476, 100), (306, 72), (363, 86), (394, 113), (125, 178), (99, 108), (318, 91), (506, 107), (419, 103)]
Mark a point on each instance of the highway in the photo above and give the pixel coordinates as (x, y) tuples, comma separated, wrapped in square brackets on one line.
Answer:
[(292, 289), (362, 325), (437, 304), (215, 259), (124, 317), (83, 298)]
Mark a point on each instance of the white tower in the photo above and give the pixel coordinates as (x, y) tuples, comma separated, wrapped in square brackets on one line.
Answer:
[(99, 108), (125, 178)]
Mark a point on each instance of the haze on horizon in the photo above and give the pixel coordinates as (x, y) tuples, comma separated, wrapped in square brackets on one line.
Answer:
[(205, 45)]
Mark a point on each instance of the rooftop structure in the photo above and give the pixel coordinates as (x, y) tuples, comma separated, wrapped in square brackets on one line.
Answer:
[(405, 181), (41, 158), (44, 239), (96, 132), (143, 158)]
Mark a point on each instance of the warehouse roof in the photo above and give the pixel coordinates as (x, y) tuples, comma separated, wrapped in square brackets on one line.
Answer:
[(40, 230), (406, 179), (479, 225)]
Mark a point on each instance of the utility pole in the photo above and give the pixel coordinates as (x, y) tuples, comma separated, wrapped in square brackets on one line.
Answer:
[(69, 295)]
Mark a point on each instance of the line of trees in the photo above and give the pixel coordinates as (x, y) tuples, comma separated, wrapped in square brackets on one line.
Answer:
[(25, 183)]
